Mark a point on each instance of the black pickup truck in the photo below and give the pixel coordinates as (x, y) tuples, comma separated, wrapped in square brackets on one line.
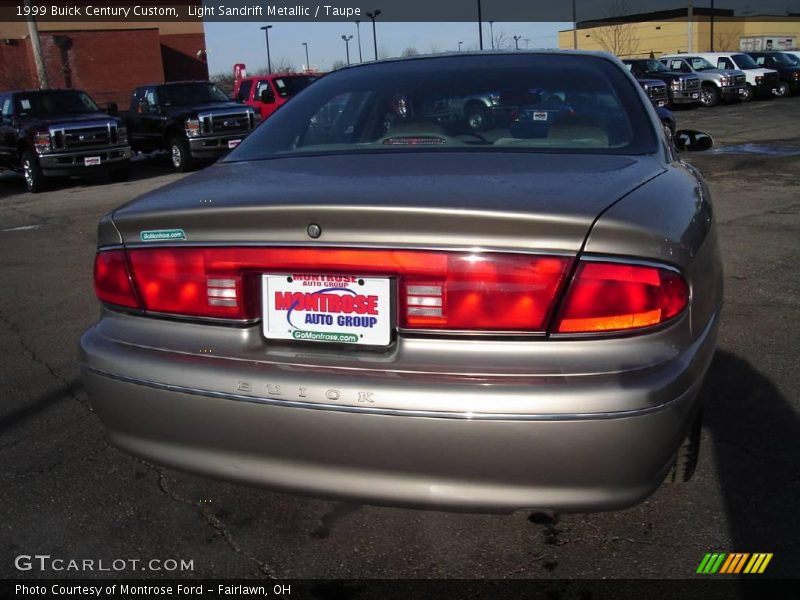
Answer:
[(683, 89), (788, 71), (60, 133), (192, 120)]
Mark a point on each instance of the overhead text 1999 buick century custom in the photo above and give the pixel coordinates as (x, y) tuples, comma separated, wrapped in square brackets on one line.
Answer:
[(368, 301)]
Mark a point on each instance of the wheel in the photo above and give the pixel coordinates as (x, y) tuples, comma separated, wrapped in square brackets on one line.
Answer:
[(179, 154), (748, 93), (669, 131), (35, 181), (120, 174), (709, 96), (477, 118), (782, 90), (688, 454)]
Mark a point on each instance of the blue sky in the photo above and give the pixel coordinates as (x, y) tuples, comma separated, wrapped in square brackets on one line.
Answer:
[(229, 43)]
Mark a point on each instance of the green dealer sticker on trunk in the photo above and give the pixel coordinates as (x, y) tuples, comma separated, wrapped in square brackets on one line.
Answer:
[(162, 235)]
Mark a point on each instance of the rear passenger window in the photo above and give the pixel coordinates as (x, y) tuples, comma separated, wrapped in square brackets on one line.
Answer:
[(244, 91)]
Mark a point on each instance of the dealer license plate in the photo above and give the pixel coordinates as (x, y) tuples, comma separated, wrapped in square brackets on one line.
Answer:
[(317, 307), (91, 160), (234, 143), (695, 95)]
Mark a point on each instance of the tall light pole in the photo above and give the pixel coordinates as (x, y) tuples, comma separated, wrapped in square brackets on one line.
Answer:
[(711, 37), (480, 26), (374, 15), (347, 39), (358, 31), (33, 32), (459, 46), (266, 29), (491, 32), (574, 26), (308, 63), (517, 38)]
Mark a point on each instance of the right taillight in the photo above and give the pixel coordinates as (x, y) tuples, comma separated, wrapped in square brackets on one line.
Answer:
[(608, 296), (112, 282)]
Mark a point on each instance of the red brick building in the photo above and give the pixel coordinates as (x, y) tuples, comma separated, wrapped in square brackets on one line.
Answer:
[(106, 59)]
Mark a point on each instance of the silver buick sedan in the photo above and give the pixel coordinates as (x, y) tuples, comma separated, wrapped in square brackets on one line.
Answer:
[(382, 298)]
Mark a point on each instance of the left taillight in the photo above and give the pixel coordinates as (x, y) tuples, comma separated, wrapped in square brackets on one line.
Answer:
[(112, 282), (611, 297)]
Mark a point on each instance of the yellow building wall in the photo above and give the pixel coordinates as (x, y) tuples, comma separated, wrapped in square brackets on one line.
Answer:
[(637, 40)]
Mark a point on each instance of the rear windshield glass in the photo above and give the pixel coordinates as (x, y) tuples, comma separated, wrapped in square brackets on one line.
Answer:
[(52, 103), (191, 93), (743, 61), (700, 64), (791, 59), (495, 102), (289, 86)]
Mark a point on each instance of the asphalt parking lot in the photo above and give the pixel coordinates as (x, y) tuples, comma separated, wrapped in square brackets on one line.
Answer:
[(67, 493)]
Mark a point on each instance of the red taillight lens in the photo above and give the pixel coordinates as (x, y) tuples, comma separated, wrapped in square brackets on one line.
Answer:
[(613, 297), (436, 290), (111, 281), (486, 292)]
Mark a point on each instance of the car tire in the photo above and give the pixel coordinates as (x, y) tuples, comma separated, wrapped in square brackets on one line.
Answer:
[(477, 118), (709, 96), (179, 155), (748, 93), (688, 454), (669, 131), (782, 91), (35, 180)]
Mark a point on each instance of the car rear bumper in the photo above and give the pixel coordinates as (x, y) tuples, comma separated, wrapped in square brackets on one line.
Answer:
[(72, 163), (259, 434)]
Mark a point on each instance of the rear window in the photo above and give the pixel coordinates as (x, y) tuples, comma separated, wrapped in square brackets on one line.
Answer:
[(289, 86), (743, 61), (54, 102), (496, 102)]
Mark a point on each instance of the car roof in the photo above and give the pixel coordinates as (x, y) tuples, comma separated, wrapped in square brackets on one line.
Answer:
[(169, 83), (277, 75), (474, 53)]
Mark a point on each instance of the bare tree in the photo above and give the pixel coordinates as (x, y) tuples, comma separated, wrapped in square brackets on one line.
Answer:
[(727, 40), (434, 48), (281, 65), (502, 41), (383, 53), (223, 81), (338, 65), (410, 51), (617, 37)]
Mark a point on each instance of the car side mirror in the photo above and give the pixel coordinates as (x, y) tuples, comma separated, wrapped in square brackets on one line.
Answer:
[(267, 97), (689, 140), (112, 109)]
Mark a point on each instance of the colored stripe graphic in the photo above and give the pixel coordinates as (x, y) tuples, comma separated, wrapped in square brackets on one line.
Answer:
[(758, 563), (734, 563), (711, 563)]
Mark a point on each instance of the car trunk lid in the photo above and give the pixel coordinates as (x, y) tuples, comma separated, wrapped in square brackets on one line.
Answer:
[(507, 201)]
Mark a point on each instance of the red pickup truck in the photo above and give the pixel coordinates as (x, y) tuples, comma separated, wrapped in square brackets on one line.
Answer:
[(266, 93)]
